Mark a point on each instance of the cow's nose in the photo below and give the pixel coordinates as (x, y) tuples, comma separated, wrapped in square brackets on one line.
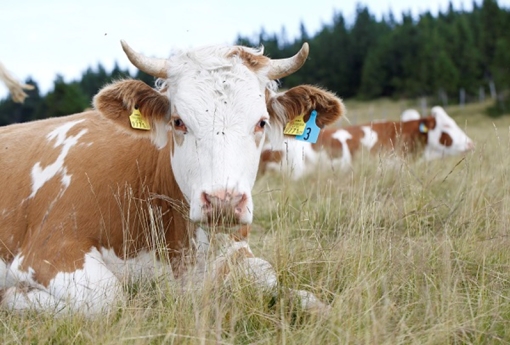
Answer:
[(470, 146), (224, 206)]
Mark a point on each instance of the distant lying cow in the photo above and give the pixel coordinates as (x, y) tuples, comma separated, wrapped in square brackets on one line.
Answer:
[(434, 136), (94, 199)]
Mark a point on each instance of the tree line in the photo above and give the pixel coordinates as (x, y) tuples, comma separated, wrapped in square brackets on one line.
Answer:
[(458, 51), (455, 54)]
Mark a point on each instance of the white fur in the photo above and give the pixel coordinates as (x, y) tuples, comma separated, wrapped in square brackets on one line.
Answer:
[(298, 156), (91, 290), (409, 115), (10, 273), (342, 136), (370, 138), (42, 175), (220, 101), (160, 134)]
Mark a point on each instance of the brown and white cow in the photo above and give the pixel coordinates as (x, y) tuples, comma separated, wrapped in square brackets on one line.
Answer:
[(15, 87), (434, 136), (81, 194)]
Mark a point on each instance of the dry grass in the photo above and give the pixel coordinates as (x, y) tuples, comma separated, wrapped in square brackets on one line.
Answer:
[(406, 253)]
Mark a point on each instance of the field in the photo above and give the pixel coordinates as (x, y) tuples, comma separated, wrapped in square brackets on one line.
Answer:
[(406, 253)]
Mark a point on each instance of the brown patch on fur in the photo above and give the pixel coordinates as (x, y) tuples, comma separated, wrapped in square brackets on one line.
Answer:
[(115, 179), (242, 233), (333, 146), (269, 156), (51, 154), (403, 137), (267, 94), (445, 139), (305, 98), (253, 62)]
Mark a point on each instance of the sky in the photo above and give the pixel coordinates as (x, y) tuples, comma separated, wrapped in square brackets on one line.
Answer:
[(41, 39)]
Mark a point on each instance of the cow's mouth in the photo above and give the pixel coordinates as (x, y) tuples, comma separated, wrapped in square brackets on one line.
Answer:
[(222, 220), (238, 230)]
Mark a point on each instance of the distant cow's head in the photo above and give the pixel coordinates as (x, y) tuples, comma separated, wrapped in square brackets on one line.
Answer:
[(444, 136), (222, 100)]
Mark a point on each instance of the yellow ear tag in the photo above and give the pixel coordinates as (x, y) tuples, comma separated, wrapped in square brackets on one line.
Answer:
[(137, 121), (423, 128), (296, 126)]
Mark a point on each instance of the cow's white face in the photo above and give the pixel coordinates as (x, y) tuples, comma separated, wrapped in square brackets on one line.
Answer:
[(218, 118), (446, 138), (222, 100)]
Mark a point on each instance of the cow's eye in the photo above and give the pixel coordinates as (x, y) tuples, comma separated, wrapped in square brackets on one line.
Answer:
[(260, 125), (179, 124)]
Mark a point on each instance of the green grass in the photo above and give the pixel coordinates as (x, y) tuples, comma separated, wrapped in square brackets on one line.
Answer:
[(406, 253)]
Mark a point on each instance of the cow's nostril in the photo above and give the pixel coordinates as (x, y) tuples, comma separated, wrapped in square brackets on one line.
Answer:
[(206, 200)]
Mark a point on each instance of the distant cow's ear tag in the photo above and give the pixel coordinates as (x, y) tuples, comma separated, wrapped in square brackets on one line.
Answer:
[(311, 131), (137, 121), (296, 126), (423, 128)]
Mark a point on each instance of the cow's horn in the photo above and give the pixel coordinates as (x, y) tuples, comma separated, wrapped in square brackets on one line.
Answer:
[(283, 67), (152, 66)]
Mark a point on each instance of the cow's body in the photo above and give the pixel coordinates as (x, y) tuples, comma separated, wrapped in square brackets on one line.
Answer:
[(434, 136), (74, 197), (88, 201)]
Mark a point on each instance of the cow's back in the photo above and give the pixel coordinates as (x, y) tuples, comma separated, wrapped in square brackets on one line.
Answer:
[(344, 143), (337, 141)]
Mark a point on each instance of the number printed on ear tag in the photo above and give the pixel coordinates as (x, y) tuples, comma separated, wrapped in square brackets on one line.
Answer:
[(137, 121), (311, 133), (296, 126)]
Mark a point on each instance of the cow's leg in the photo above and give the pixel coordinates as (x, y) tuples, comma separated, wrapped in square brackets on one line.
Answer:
[(264, 276), (91, 289), (240, 257)]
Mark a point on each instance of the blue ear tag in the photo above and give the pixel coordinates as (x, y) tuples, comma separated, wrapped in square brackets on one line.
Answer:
[(423, 128), (312, 131)]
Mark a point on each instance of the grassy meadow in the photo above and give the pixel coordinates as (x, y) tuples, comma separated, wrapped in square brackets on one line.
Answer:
[(405, 253)]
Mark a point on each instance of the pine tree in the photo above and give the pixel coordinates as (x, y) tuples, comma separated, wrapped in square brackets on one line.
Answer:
[(364, 35), (65, 99)]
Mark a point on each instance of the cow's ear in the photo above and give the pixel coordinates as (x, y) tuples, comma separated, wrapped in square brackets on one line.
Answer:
[(426, 124), (137, 108), (284, 107)]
